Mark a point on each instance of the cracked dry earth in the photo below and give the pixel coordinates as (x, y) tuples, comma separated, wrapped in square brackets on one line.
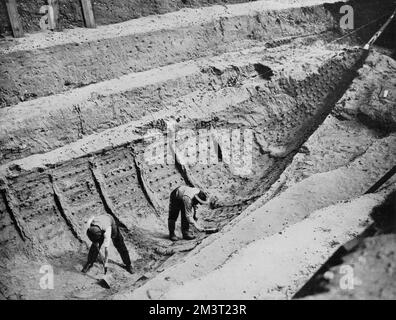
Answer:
[(75, 127)]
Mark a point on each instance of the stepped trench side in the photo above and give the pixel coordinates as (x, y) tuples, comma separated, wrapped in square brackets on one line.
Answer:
[(43, 64), (105, 11), (174, 91), (42, 123), (115, 11)]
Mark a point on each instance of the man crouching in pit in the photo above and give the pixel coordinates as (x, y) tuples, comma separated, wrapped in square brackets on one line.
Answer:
[(186, 199), (100, 230)]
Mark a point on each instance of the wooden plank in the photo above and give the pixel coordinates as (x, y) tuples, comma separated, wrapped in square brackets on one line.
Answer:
[(379, 32), (16, 25), (88, 13)]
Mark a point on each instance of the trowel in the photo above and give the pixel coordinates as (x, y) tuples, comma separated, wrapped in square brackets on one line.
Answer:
[(106, 280)]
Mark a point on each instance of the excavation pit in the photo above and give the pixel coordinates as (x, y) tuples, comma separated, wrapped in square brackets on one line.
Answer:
[(232, 119)]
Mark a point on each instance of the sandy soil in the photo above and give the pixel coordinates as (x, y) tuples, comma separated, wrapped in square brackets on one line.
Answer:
[(45, 64), (276, 266), (373, 94), (188, 89), (308, 163), (110, 12), (311, 159), (373, 272), (293, 205)]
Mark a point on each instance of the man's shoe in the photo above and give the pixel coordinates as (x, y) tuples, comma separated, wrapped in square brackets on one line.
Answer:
[(129, 269), (86, 268), (173, 237), (188, 237)]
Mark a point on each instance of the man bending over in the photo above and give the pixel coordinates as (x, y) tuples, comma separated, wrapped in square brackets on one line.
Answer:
[(185, 199), (100, 230)]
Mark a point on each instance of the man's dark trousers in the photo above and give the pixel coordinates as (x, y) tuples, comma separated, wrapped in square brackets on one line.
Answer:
[(175, 206)]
